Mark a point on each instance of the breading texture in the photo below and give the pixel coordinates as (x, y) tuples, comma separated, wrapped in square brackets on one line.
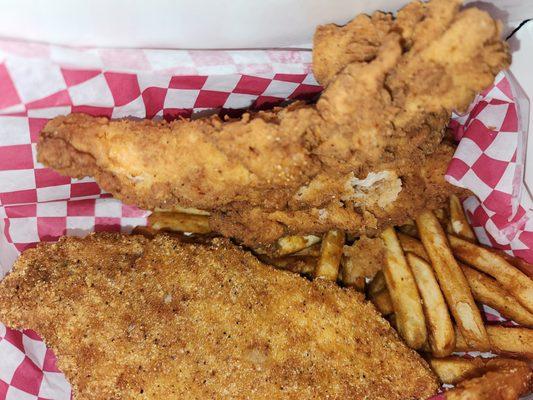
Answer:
[(134, 318), (498, 379), (347, 162)]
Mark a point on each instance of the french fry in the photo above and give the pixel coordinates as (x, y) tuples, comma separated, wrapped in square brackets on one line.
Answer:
[(179, 222), (452, 281), (304, 265), (440, 328), (512, 341), (512, 279), (294, 243), (488, 291), (442, 216), (517, 262), (412, 245), (454, 369), (377, 284), (403, 292), (330, 255), (382, 301), (313, 251), (350, 275), (459, 222)]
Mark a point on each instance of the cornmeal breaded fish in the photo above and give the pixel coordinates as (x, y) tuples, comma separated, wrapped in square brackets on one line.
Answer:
[(137, 318), (350, 162)]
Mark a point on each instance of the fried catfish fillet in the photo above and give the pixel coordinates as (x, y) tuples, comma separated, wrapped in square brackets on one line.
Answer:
[(134, 318), (343, 163)]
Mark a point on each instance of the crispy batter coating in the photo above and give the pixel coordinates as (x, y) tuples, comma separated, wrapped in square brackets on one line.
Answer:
[(344, 163), (365, 257), (135, 318), (501, 379)]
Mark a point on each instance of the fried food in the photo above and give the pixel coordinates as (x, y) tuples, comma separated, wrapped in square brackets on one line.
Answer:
[(329, 260), (382, 301), (303, 265), (488, 291), (413, 245), (131, 318), (369, 154), (497, 379), (512, 279), (179, 222), (440, 328), (486, 379), (452, 281), (512, 341), (454, 369), (458, 221), (377, 284), (403, 292), (364, 258)]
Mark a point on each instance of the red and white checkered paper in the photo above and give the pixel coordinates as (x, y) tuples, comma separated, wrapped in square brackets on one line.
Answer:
[(38, 82)]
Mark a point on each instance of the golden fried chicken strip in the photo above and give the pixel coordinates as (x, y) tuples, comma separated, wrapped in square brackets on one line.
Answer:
[(134, 318), (380, 119)]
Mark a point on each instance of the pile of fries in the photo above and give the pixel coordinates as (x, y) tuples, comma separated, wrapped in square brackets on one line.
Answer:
[(433, 273)]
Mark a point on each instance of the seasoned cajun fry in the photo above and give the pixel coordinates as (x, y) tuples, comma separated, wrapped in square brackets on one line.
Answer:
[(513, 280), (383, 302), (517, 262), (403, 292), (330, 255), (488, 291), (498, 379), (377, 284), (440, 328), (302, 265), (458, 220), (412, 245), (512, 341), (181, 222), (294, 243), (454, 369), (452, 281)]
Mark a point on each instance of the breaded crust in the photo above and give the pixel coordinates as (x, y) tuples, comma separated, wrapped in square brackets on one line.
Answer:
[(392, 84), (134, 318)]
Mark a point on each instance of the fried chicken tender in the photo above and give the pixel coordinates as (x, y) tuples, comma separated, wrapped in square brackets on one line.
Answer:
[(137, 318), (357, 160)]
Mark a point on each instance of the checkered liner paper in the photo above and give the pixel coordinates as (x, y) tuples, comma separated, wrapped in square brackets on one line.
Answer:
[(38, 82)]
